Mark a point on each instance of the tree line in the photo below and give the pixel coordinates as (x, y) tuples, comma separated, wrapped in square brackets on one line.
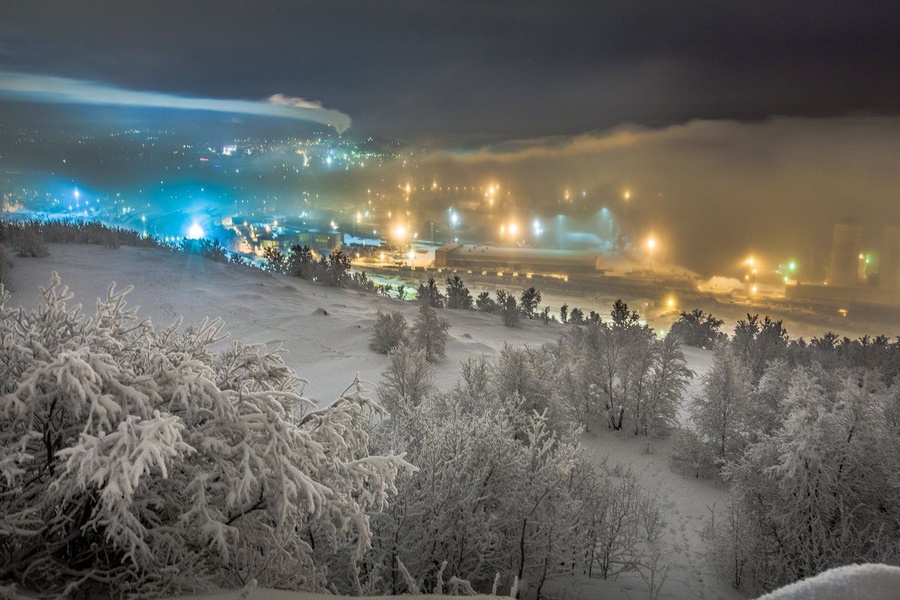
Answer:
[(807, 435)]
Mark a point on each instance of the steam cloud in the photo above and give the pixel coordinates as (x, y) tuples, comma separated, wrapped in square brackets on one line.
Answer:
[(62, 90), (717, 190)]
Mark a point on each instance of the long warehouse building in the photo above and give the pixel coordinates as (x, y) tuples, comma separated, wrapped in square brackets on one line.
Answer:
[(529, 260)]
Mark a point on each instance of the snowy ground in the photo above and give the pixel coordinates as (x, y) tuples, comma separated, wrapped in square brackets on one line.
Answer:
[(325, 332), (686, 503)]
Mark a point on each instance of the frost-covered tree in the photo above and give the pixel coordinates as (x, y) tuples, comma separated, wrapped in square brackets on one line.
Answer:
[(475, 382), (638, 351), (141, 460), (822, 490), (719, 411), (389, 332), (526, 377), (759, 341), (495, 493), (766, 410), (690, 455), (407, 379), (620, 369), (429, 332), (668, 379)]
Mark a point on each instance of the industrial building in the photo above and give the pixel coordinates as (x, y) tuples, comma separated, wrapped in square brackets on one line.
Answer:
[(846, 247), (527, 260), (323, 242), (847, 282)]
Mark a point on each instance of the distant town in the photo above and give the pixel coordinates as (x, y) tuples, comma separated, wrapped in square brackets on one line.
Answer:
[(329, 192)]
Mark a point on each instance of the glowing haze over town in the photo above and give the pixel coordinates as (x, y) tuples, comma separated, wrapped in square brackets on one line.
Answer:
[(721, 132), (714, 143)]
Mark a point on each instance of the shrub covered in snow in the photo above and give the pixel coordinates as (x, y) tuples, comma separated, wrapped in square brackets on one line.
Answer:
[(389, 332), (820, 489), (30, 242), (429, 332), (140, 460), (500, 494)]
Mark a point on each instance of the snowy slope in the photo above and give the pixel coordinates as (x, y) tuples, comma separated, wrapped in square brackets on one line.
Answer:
[(325, 332), (686, 500)]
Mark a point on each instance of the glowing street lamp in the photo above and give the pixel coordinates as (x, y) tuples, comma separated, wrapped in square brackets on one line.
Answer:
[(195, 232), (750, 277), (651, 246)]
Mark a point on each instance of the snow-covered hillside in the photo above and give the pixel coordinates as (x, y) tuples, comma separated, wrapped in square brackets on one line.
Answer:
[(325, 333)]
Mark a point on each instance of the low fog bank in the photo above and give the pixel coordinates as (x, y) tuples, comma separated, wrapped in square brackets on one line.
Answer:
[(716, 189)]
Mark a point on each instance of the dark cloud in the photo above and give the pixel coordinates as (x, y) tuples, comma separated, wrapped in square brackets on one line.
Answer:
[(510, 69)]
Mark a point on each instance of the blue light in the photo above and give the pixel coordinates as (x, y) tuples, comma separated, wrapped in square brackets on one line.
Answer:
[(195, 232)]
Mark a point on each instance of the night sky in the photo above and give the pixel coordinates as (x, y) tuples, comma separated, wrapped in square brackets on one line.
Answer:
[(481, 70), (736, 127)]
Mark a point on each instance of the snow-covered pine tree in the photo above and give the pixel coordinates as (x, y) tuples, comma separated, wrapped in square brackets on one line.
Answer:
[(141, 461)]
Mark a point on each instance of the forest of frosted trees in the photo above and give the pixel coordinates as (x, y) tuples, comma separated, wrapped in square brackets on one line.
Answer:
[(808, 437), (146, 461)]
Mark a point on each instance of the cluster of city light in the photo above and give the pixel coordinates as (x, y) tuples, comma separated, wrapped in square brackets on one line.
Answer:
[(787, 271), (195, 232), (510, 228), (750, 276), (491, 192)]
